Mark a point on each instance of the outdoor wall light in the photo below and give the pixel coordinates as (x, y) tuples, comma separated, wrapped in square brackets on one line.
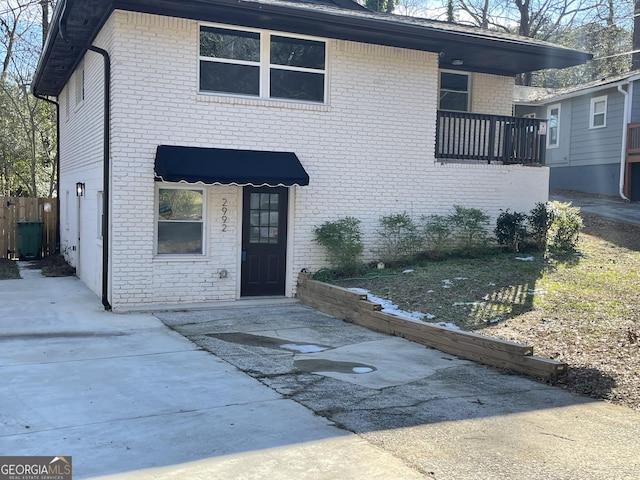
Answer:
[(79, 189)]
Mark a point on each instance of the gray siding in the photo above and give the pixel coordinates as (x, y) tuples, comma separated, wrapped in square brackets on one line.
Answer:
[(596, 146), (600, 179), (635, 106)]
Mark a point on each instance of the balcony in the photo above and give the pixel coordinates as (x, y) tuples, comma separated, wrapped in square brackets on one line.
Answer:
[(476, 137)]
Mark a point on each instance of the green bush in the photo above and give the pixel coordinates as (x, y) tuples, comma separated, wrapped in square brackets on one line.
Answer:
[(437, 231), (470, 226), (398, 238), (343, 241), (565, 226), (539, 225), (511, 230)]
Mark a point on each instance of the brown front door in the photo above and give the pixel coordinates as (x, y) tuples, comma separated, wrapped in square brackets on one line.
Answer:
[(264, 241)]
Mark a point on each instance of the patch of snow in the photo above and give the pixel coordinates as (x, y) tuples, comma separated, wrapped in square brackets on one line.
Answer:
[(461, 278), (491, 284), (429, 291), (451, 326), (486, 297), (390, 307), (495, 320), (407, 271), (303, 348), (525, 259), (361, 291), (362, 370)]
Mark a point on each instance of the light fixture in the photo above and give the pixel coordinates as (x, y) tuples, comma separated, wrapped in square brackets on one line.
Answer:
[(79, 189), (457, 62)]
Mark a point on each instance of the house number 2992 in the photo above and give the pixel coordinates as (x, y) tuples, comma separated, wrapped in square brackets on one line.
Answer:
[(224, 214)]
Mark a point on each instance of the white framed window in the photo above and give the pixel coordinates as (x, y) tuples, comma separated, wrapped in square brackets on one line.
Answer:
[(598, 112), (553, 126), (79, 83), (262, 64), (454, 91), (180, 220)]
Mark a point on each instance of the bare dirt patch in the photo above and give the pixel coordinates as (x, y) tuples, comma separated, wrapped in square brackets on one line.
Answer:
[(53, 266)]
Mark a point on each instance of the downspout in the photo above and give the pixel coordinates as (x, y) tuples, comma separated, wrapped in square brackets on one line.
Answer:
[(57, 105), (623, 149), (106, 153)]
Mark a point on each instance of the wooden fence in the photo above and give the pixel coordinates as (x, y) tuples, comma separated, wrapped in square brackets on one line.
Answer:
[(22, 209), (353, 307)]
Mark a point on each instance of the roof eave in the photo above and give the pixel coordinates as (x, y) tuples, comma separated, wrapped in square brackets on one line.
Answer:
[(328, 23)]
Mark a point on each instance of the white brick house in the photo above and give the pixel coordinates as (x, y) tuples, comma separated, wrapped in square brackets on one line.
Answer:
[(332, 91)]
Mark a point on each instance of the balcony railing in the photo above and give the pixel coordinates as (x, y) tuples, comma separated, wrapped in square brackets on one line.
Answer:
[(489, 138)]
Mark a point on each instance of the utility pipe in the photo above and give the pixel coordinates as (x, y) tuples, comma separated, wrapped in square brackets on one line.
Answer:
[(57, 105), (623, 150), (62, 29)]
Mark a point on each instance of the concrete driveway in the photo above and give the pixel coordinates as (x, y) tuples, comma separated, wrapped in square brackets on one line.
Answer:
[(277, 392), (608, 207)]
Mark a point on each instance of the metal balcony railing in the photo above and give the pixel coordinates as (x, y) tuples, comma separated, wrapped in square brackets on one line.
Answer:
[(489, 138)]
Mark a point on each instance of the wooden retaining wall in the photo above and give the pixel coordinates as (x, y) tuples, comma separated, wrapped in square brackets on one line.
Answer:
[(355, 308)]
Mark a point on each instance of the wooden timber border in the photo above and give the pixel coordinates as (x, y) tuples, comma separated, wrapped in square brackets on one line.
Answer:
[(355, 308)]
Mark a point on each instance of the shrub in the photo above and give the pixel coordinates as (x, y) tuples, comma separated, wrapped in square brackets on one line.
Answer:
[(565, 226), (437, 231), (510, 230), (343, 241), (539, 225), (471, 227), (399, 238)]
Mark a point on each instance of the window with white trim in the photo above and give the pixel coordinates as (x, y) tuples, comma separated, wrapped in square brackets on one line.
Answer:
[(79, 83), (262, 64), (181, 216), (598, 112), (454, 91), (553, 126)]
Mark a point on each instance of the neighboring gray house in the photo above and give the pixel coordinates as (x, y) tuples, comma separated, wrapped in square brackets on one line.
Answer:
[(593, 134), (230, 129)]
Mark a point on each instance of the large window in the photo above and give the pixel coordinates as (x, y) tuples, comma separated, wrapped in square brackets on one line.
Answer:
[(553, 126), (598, 114), (454, 91), (262, 64), (180, 221)]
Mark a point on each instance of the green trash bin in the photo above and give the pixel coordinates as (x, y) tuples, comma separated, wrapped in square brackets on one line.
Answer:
[(29, 240)]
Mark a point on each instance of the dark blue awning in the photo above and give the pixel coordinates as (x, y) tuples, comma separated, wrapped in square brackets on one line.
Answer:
[(219, 166)]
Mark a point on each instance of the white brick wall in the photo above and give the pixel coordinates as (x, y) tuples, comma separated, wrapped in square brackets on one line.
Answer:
[(368, 152), (492, 94), (81, 155)]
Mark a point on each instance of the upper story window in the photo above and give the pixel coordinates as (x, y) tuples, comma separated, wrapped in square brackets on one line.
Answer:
[(553, 126), (262, 64), (79, 74), (454, 91), (598, 115)]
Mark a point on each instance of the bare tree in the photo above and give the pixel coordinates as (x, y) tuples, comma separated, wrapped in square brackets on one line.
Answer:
[(27, 124)]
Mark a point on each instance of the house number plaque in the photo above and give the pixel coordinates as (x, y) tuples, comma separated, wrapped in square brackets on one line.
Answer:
[(224, 214)]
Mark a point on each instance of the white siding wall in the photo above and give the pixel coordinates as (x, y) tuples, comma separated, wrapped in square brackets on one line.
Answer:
[(368, 152), (81, 155)]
